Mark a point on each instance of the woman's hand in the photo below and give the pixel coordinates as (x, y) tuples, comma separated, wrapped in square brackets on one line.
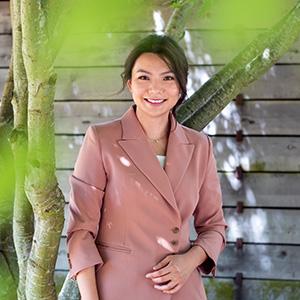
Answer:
[(174, 270)]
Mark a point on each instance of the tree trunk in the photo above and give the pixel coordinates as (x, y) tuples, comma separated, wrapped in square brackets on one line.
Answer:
[(41, 185), (23, 217), (205, 104)]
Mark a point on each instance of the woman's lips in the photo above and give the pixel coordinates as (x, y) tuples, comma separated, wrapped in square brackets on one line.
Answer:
[(155, 101)]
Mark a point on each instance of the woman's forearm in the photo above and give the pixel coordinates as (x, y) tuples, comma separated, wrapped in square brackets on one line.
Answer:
[(197, 255), (86, 280)]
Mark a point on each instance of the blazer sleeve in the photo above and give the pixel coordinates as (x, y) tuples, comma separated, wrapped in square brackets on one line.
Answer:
[(209, 220), (87, 184)]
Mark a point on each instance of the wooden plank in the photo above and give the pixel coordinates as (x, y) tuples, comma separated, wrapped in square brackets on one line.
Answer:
[(5, 26), (111, 49), (253, 225), (280, 82), (160, 10), (257, 189), (254, 261), (254, 117), (262, 226), (258, 118), (224, 289), (261, 261), (253, 154), (5, 49), (261, 189), (100, 83), (75, 117)]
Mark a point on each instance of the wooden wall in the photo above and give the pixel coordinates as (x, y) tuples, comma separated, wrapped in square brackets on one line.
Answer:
[(268, 259)]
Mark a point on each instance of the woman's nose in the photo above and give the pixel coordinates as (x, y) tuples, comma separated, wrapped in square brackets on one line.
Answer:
[(156, 86)]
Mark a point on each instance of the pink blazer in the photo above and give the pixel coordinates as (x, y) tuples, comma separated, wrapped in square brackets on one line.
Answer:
[(127, 213)]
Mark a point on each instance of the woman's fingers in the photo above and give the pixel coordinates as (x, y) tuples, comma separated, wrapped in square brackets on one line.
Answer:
[(174, 289), (161, 279), (162, 263), (166, 287)]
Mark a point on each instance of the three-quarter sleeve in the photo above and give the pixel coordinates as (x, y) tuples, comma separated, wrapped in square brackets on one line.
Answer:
[(87, 184), (209, 220)]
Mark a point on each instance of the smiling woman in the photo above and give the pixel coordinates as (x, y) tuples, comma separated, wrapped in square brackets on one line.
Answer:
[(137, 182)]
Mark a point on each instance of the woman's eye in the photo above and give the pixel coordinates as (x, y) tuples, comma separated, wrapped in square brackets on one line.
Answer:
[(143, 77), (169, 78)]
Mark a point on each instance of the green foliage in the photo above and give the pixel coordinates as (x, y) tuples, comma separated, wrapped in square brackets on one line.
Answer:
[(6, 179), (177, 3), (219, 289), (239, 15), (87, 18)]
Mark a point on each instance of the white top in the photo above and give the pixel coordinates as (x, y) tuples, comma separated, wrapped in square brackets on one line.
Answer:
[(161, 159)]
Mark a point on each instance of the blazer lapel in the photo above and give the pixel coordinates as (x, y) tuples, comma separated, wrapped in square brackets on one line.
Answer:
[(178, 155)]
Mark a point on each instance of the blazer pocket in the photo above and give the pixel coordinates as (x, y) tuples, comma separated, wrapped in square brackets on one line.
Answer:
[(114, 247)]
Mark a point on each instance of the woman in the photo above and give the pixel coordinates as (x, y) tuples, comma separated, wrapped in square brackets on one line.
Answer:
[(136, 183)]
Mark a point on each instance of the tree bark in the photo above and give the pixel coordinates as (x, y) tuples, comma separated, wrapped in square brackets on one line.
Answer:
[(205, 104), (183, 11), (23, 217), (41, 185)]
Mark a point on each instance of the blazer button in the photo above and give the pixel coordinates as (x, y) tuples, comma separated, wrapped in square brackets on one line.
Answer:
[(174, 242), (175, 230), (70, 264)]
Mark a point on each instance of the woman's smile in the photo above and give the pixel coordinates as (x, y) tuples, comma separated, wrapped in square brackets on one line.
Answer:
[(155, 101)]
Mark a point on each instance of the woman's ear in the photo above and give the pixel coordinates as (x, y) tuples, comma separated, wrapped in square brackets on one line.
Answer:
[(129, 85)]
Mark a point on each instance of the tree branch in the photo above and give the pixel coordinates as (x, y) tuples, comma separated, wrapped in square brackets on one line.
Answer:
[(252, 62), (176, 24)]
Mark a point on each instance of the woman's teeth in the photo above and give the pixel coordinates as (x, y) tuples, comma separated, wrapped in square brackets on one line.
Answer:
[(155, 101)]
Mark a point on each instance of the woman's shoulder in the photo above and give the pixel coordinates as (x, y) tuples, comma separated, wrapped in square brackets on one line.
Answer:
[(107, 129), (194, 136)]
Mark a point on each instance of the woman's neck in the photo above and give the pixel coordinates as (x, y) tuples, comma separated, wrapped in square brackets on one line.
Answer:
[(154, 127)]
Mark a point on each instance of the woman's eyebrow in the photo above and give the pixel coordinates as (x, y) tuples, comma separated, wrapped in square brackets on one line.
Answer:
[(144, 71)]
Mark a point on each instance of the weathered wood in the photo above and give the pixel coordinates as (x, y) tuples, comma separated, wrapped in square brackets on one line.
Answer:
[(261, 189), (5, 22), (281, 82), (254, 117), (75, 117), (255, 261), (258, 117), (254, 153), (5, 49), (262, 225), (256, 190), (261, 261)]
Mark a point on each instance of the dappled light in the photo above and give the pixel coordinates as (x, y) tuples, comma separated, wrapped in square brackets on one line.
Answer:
[(164, 243), (159, 23), (124, 161)]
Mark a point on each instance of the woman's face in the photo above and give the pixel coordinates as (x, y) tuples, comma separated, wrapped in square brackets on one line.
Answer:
[(154, 88)]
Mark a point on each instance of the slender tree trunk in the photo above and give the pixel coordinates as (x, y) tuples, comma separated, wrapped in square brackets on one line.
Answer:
[(41, 185), (23, 217), (252, 62)]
